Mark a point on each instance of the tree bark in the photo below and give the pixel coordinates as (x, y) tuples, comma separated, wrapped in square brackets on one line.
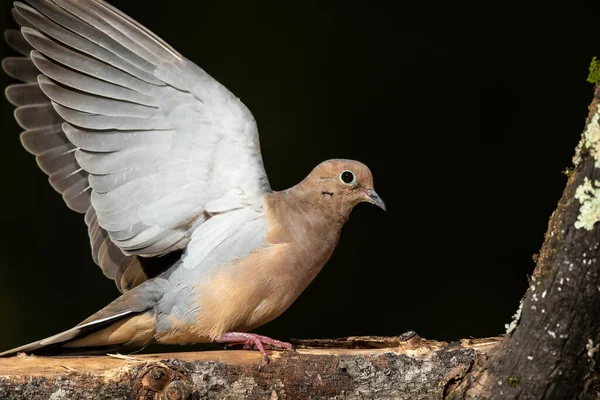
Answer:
[(550, 351), (353, 368)]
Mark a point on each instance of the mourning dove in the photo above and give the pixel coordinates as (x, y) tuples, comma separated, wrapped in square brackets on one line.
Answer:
[(165, 163)]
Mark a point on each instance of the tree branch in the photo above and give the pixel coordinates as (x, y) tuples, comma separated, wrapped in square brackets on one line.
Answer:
[(352, 368)]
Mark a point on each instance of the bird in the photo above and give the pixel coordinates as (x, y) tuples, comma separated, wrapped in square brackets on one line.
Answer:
[(165, 164)]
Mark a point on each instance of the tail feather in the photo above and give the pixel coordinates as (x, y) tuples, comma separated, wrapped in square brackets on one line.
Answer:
[(123, 323), (55, 344)]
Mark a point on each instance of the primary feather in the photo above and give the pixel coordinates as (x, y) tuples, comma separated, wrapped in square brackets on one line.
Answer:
[(140, 139)]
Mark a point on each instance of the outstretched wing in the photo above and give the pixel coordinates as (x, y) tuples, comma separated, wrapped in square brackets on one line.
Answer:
[(132, 134)]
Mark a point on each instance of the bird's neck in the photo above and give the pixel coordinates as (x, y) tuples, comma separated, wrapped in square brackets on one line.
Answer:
[(307, 233), (303, 215)]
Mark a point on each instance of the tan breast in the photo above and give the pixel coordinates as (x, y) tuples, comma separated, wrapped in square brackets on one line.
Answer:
[(245, 295)]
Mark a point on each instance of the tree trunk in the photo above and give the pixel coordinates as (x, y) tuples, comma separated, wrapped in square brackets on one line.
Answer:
[(550, 352)]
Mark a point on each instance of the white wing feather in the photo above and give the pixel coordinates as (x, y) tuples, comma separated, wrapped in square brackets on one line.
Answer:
[(154, 145)]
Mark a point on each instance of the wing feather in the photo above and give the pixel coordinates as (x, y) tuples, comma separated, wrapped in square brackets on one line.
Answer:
[(82, 63), (117, 161), (101, 122), (22, 22), (114, 140), (145, 143), (68, 176), (33, 116), (81, 28), (22, 94), (20, 68), (57, 158), (89, 84), (37, 141), (94, 104), (16, 41), (80, 44), (103, 20)]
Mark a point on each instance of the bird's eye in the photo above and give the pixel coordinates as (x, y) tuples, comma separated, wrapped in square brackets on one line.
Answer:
[(347, 177)]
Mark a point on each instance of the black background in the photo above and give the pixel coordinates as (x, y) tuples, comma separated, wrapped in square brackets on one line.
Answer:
[(466, 112)]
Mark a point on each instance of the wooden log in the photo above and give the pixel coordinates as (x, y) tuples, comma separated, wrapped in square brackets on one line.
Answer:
[(351, 368)]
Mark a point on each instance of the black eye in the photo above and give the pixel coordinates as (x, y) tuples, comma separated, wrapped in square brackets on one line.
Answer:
[(347, 177)]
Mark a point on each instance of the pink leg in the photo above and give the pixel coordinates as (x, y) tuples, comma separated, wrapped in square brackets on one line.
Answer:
[(252, 338)]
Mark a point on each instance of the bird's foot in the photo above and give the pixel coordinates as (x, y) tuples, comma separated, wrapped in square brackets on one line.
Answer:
[(258, 341)]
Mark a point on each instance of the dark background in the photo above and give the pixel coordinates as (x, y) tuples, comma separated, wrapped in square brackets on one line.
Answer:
[(466, 112)]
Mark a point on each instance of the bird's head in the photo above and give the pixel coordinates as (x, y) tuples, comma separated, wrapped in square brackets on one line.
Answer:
[(343, 184)]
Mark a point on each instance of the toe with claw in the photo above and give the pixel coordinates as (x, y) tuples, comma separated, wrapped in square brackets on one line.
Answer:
[(257, 341)]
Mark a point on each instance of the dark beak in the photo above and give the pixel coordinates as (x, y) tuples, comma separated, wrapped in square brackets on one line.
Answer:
[(375, 199)]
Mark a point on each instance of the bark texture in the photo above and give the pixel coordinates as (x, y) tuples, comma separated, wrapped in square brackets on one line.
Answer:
[(353, 368)]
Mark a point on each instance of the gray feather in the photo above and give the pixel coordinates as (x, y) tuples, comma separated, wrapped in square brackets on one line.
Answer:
[(171, 240), (130, 275), (114, 140), (55, 159), (74, 24), (85, 46), (94, 104), (88, 84), (110, 257), (124, 270), (108, 183), (21, 94), (36, 116), (99, 122), (82, 63), (17, 42), (122, 30), (146, 239), (130, 232), (40, 140), (20, 68), (144, 36), (97, 236), (22, 22), (67, 177), (77, 196), (108, 163)]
